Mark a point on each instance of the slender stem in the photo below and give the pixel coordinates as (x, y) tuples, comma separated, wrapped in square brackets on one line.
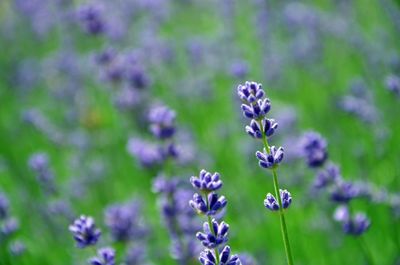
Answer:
[(212, 229), (285, 234), (366, 251)]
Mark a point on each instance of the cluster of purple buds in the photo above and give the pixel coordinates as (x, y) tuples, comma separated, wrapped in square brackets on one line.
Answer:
[(327, 176), (272, 204), (206, 181), (214, 235), (314, 149), (343, 191), (211, 239), (105, 256), (207, 257), (270, 159), (162, 126), (85, 232), (162, 122), (392, 83), (258, 129), (352, 225), (90, 18), (147, 153), (254, 106)]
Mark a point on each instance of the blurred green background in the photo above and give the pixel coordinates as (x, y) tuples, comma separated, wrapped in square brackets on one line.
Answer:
[(306, 65)]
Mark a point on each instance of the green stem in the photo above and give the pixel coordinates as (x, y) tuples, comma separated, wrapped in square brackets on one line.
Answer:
[(285, 234), (212, 229)]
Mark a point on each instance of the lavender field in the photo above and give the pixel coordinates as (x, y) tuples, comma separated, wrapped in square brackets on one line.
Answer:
[(161, 132)]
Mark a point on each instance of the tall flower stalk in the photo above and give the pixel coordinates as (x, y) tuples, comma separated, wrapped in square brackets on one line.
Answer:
[(255, 107), (215, 234)]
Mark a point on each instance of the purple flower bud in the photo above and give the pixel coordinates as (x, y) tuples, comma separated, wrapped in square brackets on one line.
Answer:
[(162, 120), (213, 238), (84, 231), (105, 256), (314, 149), (137, 77), (268, 128), (206, 181), (342, 214), (343, 192), (271, 159), (327, 176), (148, 154), (393, 84), (90, 18), (198, 204), (272, 204), (250, 92), (354, 226), (286, 198)]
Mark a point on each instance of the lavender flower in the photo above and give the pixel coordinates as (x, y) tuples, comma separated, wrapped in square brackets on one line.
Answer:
[(314, 149), (393, 84), (90, 18), (215, 204), (105, 256), (207, 257), (343, 192), (270, 159), (137, 77), (342, 213), (256, 131), (327, 176), (211, 240), (84, 231), (206, 181), (254, 105), (214, 234), (4, 206), (148, 154), (272, 204), (357, 225), (162, 120)]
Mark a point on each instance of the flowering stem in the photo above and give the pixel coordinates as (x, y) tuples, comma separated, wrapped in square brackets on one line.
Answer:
[(285, 234), (212, 229)]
